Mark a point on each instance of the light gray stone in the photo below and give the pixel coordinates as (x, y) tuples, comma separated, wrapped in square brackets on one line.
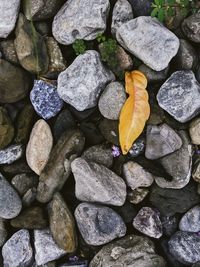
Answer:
[(161, 140), (45, 247), (82, 82), (3, 232), (112, 100), (8, 15), (179, 96), (96, 183), (98, 225), (147, 39), (194, 130), (122, 12), (152, 75), (17, 251), (85, 19), (11, 154), (190, 222)]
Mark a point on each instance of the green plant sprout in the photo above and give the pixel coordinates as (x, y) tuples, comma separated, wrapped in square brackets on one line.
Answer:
[(79, 47)]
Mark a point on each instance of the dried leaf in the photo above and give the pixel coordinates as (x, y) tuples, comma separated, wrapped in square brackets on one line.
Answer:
[(135, 111)]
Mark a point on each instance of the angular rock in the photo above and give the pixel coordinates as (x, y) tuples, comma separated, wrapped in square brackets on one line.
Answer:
[(3, 232), (195, 131), (8, 16), (45, 247), (122, 12), (54, 175), (17, 251), (179, 96), (7, 48), (39, 146), (161, 140), (129, 251), (98, 225), (152, 36), (82, 82), (152, 75), (6, 128), (110, 130), (191, 27), (185, 247), (136, 176), (112, 100), (137, 195), (11, 154), (45, 99), (104, 185), (91, 13), (190, 222), (23, 182)]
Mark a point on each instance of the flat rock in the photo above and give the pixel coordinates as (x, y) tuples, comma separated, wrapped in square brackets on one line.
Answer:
[(17, 251), (11, 154), (136, 176), (8, 16), (3, 232), (23, 182), (45, 247), (62, 224), (129, 251), (185, 247), (105, 186), (190, 222), (191, 27), (98, 225), (152, 36), (6, 128), (82, 82), (112, 100), (39, 146), (45, 99), (161, 140), (91, 13), (194, 130), (179, 96)]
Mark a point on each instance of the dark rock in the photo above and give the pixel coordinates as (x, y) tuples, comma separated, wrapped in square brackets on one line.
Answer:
[(137, 195), (23, 182), (6, 128), (142, 7), (29, 197), (92, 133), (152, 75), (127, 212), (16, 168), (110, 131), (137, 148), (191, 27), (169, 224), (8, 51)]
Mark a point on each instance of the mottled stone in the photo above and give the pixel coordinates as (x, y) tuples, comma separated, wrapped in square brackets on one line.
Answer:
[(194, 130), (141, 32), (179, 96), (110, 130), (98, 225), (91, 13), (10, 154), (137, 148), (23, 182), (104, 185), (112, 100), (82, 82), (45, 99), (190, 222), (152, 75), (6, 128), (137, 195), (191, 27), (54, 176), (17, 251), (3, 232), (7, 48)]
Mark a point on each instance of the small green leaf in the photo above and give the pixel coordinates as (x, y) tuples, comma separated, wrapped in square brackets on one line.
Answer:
[(161, 15), (171, 2), (154, 12), (170, 12), (162, 2), (157, 2), (184, 12)]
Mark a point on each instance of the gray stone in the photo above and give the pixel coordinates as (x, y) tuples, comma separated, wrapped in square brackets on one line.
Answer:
[(8, 16), (110, 130), (185, 247), (82, 82), (194, 130), (122, 12), (190, 222), (136, 176), (86, 19), (161, 140), (45, 247), (191, 27), (96, 183), (142, 7), (137, 195), (3, 232), (112, 100), (98, 225), (100, 154), (10, 203), (147, 221), (11, 154), (29, 197), (137, 148), (130, 251), (150, 35), (152, 75), (17, 251), (178, 165), (23, 182), (179, 96)]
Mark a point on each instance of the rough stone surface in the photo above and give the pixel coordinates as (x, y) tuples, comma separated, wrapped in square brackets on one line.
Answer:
[(23, 182), (39, 146), (190, 222), (82, 82), (122, 12), (8, 16), (185, 247), (17, 251), (6, 128), (152, 36), (96, 183), (98, 225), (152, 75), (112, 100), (91, 13), (29, 197), (11, 154), (179, 96), (137, 148), (161, 140), (129, 251), (147, 221), (191, 27), (45, 247), (45, 99), (137, 195), (7, 48), (3, 232), (142, 7), (62, 224), (195, 131), (136, 176)]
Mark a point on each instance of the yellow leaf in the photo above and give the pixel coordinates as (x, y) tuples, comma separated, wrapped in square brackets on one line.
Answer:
[(135, 111)]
